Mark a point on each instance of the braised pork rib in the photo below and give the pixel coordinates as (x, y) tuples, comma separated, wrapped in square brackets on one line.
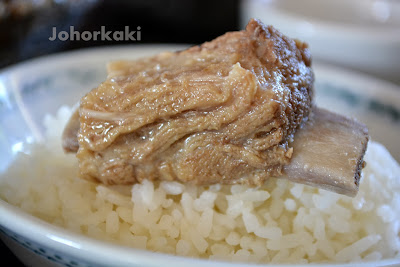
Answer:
[(224, 112)]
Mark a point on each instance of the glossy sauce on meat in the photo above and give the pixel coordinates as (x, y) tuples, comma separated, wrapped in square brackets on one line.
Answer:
[(223, 112)]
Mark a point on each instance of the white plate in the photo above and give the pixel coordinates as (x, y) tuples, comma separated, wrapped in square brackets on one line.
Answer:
[(30, 90)]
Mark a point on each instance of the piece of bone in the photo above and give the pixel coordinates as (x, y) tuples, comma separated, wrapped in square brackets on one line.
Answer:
[(328, 153), (70, 134)]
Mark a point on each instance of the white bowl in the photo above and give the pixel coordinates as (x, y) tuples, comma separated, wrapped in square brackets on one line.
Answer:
[(360, 34), (30, 90)]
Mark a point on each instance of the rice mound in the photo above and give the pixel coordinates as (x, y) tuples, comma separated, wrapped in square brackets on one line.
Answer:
[(280, 222)]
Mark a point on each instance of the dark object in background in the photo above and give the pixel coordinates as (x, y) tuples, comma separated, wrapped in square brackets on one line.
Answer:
[(8, 257), (26, 25)]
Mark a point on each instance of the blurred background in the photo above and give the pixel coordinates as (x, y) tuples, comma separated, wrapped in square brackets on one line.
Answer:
[(26, 25), (362, 35), (359, 34)]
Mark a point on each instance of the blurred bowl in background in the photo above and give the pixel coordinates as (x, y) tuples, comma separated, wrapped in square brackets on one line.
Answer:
[(360, 34)]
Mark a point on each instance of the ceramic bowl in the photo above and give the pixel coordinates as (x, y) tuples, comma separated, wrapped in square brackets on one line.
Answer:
[(30, 90), (359, 34)]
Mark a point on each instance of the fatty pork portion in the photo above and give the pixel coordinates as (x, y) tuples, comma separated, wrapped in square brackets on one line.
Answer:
[(223, 112)]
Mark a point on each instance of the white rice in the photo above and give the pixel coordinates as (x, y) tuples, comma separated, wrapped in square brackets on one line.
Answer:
[(281, 222)]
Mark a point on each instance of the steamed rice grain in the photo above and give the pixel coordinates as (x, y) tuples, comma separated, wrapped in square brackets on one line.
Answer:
[(280, 222)]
